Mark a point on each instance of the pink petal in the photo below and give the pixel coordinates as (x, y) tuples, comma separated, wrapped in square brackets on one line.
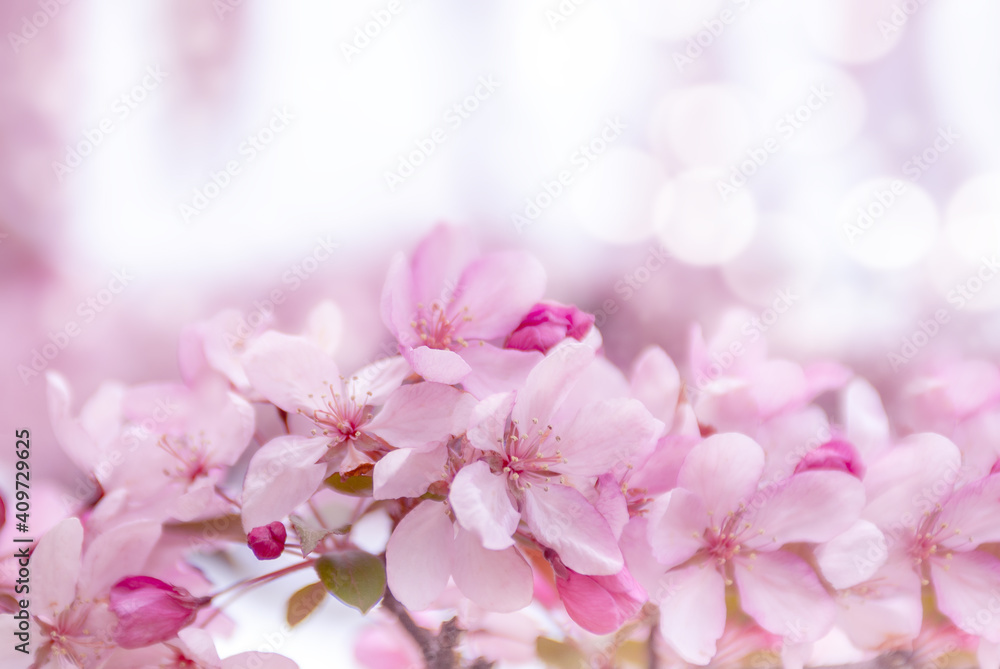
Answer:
[(325, 326), (258, 661), (658, 474), (723, 470), (693, 612), (639, 556), (121, 550), (782, 593), (398, 302), (813, 506), (920, 470), (561, 518), (606, 435), (55, 567), (418, 557), (972, 514), (482, 505), (656, 383), (420, 414), (968, 591), (377, 380), (867, 426), (776, 385), (550, 381), (496, 580), (499, 289), (291, 372), (437, 365), (199, 646), (496, 370), (611, 503), (726, 405), (677, 523), (853, 556), (75, 442), (886, 609), (824, 376), (438, 260), (408, 473), (282, 475), (988, 655), (488, 422)]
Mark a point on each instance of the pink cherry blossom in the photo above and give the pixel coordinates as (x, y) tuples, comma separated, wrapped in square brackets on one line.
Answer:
[(346, 433), (428, 547), (444, 305), (70, 586), (932, 530), (717, 530), (534, 451)]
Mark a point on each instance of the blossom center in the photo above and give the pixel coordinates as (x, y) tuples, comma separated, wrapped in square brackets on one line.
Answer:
[(437, 329), (191, 455), (525, 461), (343, 416)]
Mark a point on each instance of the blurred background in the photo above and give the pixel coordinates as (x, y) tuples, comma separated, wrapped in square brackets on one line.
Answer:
[(830, 166)]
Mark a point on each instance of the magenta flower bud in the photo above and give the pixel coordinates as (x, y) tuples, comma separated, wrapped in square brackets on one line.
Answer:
[(547, 324), (601, 604), (267, 541), (150, 611), (835, 455)]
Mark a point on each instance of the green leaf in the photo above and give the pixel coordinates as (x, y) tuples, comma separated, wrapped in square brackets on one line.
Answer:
[(354, 577), (309, 537), (356, 486), (304, 602), (558, 654)]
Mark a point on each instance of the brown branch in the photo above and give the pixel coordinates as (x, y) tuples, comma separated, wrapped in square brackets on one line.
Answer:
[(438, 649)]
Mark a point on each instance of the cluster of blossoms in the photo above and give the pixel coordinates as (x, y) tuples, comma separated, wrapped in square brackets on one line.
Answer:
[(544, 505)]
